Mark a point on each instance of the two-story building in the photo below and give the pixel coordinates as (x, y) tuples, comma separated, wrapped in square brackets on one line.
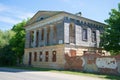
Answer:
[(52, 34)]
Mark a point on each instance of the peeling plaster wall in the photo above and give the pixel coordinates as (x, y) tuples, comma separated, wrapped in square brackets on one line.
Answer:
[(93, 63), (106, 63)]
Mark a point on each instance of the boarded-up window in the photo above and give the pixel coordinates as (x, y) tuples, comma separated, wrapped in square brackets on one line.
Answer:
[(73, 53), (46, 56), (54, 56), (93, 36), (40, 56), (72, 33), (84, 34), (35, 56), (42, 34)]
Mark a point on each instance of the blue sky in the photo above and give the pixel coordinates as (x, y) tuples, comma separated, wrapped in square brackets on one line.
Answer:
[(14, 11)]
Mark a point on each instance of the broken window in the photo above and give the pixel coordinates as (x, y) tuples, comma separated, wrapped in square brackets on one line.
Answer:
[(72, 33), (42, 34), (40, 56), (35, 56), (93, 36), (54, 56), (46, 56), (84, 34)]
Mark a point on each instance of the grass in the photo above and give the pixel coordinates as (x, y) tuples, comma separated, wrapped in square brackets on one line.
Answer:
[(102, 76)]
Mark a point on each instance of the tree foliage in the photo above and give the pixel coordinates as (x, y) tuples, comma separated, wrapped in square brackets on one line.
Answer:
[(12, 44), (7, 56), (5, 36), (18, 40), (111, 36)]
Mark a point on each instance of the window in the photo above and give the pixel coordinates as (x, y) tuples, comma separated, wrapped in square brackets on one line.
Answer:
[(46, 56), (37, 38), (35, 56), (93, 36), (54, 56), (39, 18), (55, 32), (72, 33), (42, 34), (40, 56), (84, 34), (48, 34), (32, 36)]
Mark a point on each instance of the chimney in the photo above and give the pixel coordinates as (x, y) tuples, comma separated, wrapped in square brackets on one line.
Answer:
[(79, 14)]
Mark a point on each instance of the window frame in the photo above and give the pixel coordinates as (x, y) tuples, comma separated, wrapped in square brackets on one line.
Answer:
[(94, 36), (84, 34), (46, 56), (54, 57), (40, 56), (35, 56)]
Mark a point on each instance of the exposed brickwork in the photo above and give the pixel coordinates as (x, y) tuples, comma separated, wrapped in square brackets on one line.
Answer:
[(73, 63), (94, 63)]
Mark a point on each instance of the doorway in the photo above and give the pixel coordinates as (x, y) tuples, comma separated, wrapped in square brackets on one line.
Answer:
[(30, 58)]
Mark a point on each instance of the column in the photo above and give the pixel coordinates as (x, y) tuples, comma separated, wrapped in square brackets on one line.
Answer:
[(66, 32), (78, 34), (39, 38), (34, 42), (51, 34), (27, 42), (97, 38), (45, 36)]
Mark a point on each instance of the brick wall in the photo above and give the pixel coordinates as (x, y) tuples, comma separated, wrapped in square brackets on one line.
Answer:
[(90, 62)]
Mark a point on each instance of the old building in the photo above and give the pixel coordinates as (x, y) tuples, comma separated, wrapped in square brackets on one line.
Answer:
[(52, 34)]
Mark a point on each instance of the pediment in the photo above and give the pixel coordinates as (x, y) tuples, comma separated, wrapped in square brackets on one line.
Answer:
[(41, 15)]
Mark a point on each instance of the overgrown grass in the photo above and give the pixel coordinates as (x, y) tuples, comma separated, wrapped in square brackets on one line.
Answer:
[(102, 76)]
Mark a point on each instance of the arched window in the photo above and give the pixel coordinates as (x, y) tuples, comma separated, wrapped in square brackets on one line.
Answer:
[(72, 33), (54, 56)]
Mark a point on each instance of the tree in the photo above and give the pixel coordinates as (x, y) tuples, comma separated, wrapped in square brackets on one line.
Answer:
[(7, 56), (111, 35), (18, 41)]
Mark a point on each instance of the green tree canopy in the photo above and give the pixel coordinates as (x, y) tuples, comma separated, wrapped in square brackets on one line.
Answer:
[(111, 36), (18, 41), (7, 56), (5, 36)]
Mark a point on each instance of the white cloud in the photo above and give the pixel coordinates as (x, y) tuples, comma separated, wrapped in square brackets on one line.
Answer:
[(8, 20), (25, 15), (12, 15)]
